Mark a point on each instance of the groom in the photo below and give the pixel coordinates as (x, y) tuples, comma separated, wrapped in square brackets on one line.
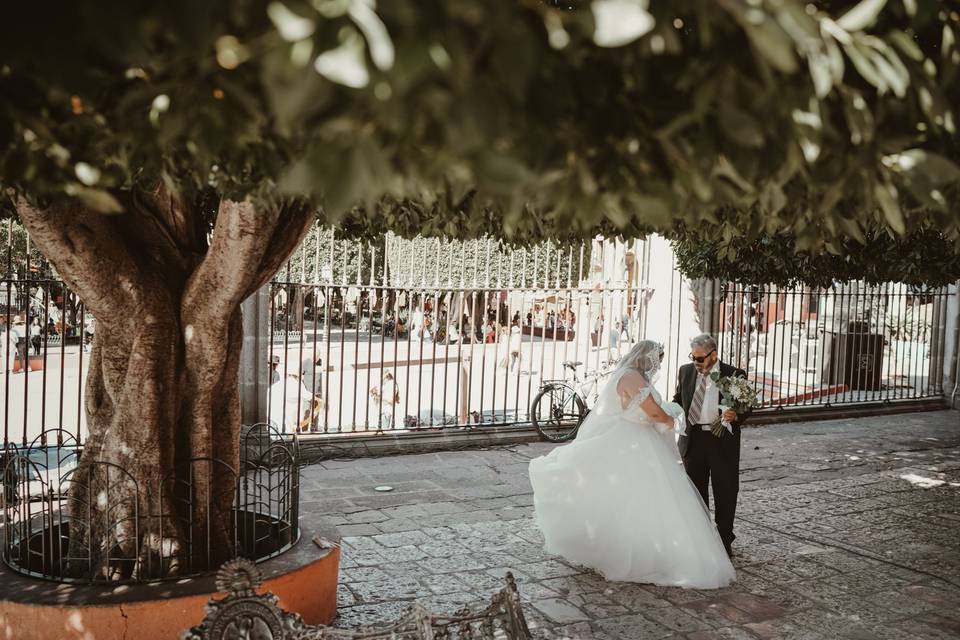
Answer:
[(707, 458)]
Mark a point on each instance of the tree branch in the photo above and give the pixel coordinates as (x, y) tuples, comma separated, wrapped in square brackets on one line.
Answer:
[(248, 246), (184, 221), (241, 237), (88, 253), (296, 218)]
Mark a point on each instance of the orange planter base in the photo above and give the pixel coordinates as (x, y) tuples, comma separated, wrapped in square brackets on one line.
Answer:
[(304, 579), (36, 364)]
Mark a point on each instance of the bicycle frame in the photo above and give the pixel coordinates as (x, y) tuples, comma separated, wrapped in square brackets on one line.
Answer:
[(586, 389), (569, 410)]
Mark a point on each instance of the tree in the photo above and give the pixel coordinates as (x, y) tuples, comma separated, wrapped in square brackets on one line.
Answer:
[(924, 257), (168, 157)]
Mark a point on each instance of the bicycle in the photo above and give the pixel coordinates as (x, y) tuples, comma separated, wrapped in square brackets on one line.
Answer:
[(561, 406)]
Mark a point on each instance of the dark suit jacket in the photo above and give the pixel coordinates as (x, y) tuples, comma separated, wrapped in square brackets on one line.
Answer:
[(686, 386)]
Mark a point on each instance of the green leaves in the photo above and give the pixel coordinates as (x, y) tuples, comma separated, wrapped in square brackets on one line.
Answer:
[(290, 26), (355, 175), (926, 175), (740, 127), (915, 163), (768, 37), (886, 195), (863, 15), (498, 116), (924, 257), (620, 22), (346, 64), (500, 174)]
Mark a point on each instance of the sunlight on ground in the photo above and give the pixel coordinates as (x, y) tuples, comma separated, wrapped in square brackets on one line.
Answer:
[(921, 481)]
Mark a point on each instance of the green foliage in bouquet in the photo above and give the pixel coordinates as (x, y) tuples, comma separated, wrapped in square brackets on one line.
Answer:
[(735, 393)]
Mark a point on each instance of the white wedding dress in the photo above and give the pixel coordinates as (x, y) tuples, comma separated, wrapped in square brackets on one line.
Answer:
[(617, 499)]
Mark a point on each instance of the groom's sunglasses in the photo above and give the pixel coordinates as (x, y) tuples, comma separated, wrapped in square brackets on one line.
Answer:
[(699, 359)]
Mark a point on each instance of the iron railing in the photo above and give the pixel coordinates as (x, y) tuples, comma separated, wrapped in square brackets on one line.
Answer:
[(373, 337), (94, 522), (801, 348), (849, 344), (442, 357)]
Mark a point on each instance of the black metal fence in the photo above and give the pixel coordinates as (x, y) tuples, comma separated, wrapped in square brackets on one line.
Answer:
[(852, 343), (44, 338), (367, 363), (383, 358), (430, 334), (71, 523)]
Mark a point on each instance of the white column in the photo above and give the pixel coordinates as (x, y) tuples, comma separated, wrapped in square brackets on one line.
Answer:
[(951, 348)]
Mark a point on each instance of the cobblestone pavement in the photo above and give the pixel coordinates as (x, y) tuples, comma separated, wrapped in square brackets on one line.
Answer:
[(846, 529)]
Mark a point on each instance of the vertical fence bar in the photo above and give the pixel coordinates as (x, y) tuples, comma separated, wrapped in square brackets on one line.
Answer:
[(288, 299), (888, 346), (24, 354), (916, 331), (8, 361), (82, 326), (45, 287), (300, 309)]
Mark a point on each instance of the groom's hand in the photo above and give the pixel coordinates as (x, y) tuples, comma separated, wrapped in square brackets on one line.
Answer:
[(730, 415)]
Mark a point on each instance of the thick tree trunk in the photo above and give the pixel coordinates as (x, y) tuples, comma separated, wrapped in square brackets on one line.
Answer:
[(159, 468), (115, 498)]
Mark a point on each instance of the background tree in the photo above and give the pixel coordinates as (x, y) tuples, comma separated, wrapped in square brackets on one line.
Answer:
[(923, 257), (168, 157)]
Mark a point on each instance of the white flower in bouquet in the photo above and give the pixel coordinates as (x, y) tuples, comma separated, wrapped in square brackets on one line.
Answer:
[(738, 395)]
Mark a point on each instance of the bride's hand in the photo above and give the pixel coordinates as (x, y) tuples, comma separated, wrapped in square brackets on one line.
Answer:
[(663, 424)]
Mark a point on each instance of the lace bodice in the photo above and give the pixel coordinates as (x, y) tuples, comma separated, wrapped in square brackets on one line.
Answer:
[(635, 413), (620, 400), (633, 406)]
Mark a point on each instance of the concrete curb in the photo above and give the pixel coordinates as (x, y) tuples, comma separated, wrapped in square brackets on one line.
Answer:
[(320, 447)]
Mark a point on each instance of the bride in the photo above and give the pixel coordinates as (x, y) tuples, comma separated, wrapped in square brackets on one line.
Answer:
[(617, 498)]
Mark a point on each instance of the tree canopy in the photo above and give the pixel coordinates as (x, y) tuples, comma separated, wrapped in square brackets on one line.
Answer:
[(923, 257), (523, 119)]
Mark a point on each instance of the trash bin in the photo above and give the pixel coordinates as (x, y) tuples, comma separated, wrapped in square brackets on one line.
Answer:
[(854, 359)]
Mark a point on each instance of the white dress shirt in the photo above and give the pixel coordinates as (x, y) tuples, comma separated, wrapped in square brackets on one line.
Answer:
[(711, 399)]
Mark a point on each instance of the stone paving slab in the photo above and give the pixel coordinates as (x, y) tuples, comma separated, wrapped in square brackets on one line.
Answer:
[(846, 529)]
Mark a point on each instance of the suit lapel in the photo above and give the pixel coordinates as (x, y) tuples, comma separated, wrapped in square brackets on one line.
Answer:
[(689, 380), (727, 370)]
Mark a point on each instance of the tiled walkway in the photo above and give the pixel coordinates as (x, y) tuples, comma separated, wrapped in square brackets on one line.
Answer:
[(846, 529)]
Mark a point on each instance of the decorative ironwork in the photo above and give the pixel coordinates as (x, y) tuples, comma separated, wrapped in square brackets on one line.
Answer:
[(94, 522), (245, 614)]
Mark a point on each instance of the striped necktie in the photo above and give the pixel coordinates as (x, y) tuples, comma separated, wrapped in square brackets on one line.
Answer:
[(697, 404)]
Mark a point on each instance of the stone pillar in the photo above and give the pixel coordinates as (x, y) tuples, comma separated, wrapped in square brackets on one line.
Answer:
[(951, 346), (706, 301), (254, 369)]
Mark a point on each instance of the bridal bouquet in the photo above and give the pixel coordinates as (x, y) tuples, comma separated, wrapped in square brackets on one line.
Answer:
[(737, 394)]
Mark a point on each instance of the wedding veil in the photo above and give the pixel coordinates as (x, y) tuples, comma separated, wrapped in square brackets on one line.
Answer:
[(644, 357)]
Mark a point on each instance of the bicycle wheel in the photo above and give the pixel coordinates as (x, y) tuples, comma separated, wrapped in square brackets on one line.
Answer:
[(557, 412)]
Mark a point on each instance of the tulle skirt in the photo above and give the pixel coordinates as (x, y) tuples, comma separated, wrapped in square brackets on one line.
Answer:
[(618, 500)]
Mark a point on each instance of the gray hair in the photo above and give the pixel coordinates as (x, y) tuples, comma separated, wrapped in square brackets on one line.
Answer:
[(705, 341)]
